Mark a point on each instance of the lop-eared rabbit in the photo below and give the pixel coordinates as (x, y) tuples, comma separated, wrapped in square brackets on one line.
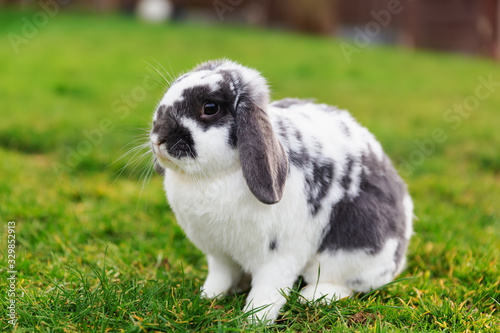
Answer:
[(279, 190)]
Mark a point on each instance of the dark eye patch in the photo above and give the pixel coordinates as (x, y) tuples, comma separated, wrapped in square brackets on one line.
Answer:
[(208, 108)]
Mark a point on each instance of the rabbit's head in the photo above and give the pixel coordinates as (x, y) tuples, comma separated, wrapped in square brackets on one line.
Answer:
[(213, 121)]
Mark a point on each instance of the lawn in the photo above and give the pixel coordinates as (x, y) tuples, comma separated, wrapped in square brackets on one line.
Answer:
[(97, 248)]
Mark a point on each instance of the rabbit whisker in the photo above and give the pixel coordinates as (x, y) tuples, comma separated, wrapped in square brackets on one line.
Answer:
[(157, 71)]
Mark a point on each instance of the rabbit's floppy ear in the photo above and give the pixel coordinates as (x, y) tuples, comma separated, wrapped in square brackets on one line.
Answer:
[(263, 159)]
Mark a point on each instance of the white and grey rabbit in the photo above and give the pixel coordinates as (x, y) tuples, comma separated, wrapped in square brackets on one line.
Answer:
[(279, 190)]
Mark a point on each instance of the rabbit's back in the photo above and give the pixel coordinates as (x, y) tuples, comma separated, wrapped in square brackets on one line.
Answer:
[(353, 191)]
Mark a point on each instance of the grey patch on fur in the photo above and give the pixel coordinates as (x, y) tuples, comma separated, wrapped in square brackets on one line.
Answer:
[(297, 156), (177, 138), (346, 178), (375, 215), (282, 130), (345, 129), (161, 112), (355, 282), (285, 103), (273, 245), (318, 183), (158, 168), (318, 170)]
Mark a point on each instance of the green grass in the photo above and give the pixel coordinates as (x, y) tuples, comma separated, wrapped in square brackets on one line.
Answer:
[(98, 252)]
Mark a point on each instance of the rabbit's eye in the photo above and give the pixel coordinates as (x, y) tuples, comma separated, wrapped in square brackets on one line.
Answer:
[(210, 108)]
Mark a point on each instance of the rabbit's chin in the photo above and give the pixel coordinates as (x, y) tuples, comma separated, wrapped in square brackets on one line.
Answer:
[(179, 165), (168, 163), (198, 168)]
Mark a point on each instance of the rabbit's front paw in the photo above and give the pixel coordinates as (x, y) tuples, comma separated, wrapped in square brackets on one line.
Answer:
[(262, 312)]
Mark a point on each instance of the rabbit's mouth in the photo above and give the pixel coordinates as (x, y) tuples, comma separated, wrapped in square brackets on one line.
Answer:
[(162, 158), (155, 145), (157, 151)]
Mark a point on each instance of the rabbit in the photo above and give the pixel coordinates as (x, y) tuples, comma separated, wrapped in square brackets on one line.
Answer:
[(278, 190)]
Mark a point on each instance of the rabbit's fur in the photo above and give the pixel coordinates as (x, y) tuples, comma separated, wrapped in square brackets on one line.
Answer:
[(278, 190)]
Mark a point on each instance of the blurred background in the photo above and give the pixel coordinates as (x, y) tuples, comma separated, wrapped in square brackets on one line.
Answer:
[(463, 26)]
